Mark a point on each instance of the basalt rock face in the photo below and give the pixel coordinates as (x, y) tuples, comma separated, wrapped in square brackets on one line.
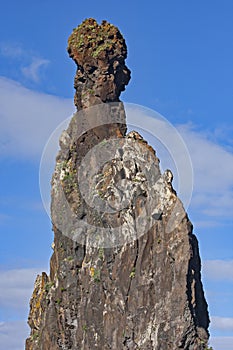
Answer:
[(125, 271), (100, 52)]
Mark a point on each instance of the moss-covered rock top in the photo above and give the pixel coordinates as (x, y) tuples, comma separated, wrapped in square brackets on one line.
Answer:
[(91, 41)]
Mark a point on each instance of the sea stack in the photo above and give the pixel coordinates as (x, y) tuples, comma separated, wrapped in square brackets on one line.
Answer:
[(123, 275)]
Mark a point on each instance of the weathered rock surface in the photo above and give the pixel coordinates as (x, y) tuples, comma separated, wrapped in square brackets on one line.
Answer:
[(99, 52), (125, 272)]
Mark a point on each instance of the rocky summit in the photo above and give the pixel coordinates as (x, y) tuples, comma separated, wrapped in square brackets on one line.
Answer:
[(125, 270)]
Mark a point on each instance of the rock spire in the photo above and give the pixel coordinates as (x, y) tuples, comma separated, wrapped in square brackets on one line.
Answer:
[(125, 271)]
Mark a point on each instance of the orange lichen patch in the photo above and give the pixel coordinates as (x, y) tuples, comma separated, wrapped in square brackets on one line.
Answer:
[(38, 304), (118, 133), (41, 290), (38, 296), (92, 271)]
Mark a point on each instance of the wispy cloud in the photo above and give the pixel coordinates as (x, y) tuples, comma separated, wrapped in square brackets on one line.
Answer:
[(221, 343), (30, 64), (213, 169), (218, 270), (11, 50), (15, 290), (212, 197), (13, 335), (32, 71), (205, 156), (222, 323), (22, 203), (208, 223), (28, 118)]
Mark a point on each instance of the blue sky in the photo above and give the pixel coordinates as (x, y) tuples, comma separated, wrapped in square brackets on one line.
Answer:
[(180, 55)]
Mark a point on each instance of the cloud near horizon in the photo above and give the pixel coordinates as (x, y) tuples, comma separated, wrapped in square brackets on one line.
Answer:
[(221, 343), (222, 323), (16, 288), (213, 180), (13, 335), (27, 119), (218, 270)]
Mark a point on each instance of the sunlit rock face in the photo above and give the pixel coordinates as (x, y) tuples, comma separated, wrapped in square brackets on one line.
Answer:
[(125, 271), (99, 52)]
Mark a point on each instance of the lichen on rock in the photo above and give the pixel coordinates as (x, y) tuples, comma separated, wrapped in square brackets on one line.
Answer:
[(99, 52)]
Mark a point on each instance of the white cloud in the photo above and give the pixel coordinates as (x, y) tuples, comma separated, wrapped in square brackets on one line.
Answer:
[(213, 169), (207, 223), (28, 118), (212, 163), (11, 50), (221, 343), (16, 287), (207, 156), (32, 71), (218, 270), (29, 63), (222, 323), (13, 335)]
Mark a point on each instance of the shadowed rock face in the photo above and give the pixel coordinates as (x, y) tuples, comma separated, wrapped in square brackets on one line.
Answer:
[(127, 278)]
